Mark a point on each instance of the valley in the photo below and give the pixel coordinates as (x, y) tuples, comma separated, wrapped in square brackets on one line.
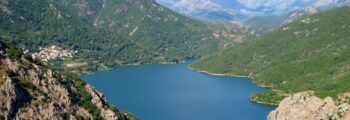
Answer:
[(175, 92), (174, 59)]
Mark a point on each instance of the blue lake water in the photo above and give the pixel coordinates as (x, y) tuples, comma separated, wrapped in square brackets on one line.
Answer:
[(175, 92)]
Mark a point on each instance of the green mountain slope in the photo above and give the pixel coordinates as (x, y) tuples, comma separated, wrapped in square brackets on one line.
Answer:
[(154, 28), (86, 9), (42, 23), (270, 22), (308, 54), (106, 33)]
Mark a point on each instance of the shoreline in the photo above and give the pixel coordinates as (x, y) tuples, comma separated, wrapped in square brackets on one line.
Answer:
[(197, 70), (124, 65), (264, 103), (238, 76), (216, 74), (230, 75)]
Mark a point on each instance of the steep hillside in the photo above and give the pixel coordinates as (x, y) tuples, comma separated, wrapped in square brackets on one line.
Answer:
[(42, 23), (270, 22), (308, 54), (86, 9), (106, 32), (30, 90), (157, 30)]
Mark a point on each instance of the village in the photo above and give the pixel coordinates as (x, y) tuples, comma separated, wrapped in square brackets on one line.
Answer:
[(53, 52)]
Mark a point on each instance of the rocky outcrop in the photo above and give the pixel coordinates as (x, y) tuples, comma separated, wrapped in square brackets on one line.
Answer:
[(97, 98), (306, 106), (30, 90), (100, 101)]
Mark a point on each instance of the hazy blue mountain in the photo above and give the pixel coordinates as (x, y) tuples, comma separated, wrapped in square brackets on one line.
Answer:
[(218, 10)]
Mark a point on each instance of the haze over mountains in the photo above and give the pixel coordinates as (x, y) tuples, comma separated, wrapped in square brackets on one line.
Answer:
[(223, 10)]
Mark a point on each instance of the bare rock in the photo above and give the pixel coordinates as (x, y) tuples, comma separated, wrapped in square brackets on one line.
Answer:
[(109, 114), (8, 97), (100, 101), (33, 91), (306, 106), (97, 97)]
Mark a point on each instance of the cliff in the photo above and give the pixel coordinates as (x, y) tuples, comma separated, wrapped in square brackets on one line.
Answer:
[(30, 90), (306, 106)]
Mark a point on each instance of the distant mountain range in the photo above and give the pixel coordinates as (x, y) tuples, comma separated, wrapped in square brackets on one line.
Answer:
[(223, 10)]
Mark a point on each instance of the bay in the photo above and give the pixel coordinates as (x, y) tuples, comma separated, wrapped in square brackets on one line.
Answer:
[(175, 92)]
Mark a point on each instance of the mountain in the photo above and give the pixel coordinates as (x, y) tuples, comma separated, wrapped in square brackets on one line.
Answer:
[(275, 21), (307, 54), (155, 28), (33, 25), (105, 32), (30, 90), (271, 22), (224, 10)]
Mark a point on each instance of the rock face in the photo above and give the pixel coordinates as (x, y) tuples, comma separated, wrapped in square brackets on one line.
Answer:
[(30, 90), (306, 106), (100, 101)]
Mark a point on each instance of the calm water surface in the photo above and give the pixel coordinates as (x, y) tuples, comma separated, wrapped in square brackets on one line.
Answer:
[(174, 92)]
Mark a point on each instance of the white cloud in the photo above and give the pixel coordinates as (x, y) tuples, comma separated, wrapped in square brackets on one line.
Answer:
[(268, 4), (243, 7), (323, 3), (196, 6)]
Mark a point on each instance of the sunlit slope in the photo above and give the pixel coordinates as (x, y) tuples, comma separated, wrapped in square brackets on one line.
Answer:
[(309, 54), (155, 28)]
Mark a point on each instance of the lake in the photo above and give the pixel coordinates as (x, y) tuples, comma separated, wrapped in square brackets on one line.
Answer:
[(175, 92)]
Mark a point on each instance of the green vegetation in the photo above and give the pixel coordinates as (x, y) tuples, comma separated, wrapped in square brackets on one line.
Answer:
[(272, 21), (129, 115), (106, 34), (267, 22), (308, 54), (272, 97), (72, 82), (14, 53), (27, 85), (84, 97)]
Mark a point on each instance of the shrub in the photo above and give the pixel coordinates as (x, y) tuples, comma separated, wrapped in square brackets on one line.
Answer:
[(14, 53)]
